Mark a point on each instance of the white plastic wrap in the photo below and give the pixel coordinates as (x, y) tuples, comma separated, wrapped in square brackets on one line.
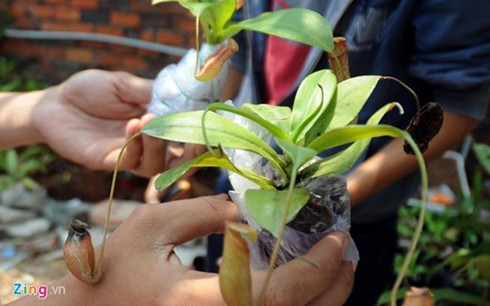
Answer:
[(176, 90), (327, 193)]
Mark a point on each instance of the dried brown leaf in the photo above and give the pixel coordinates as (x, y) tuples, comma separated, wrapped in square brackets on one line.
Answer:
[(234, 274), (418, 297)]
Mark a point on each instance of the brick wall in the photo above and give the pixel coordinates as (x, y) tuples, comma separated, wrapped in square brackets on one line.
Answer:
[(52, 61)]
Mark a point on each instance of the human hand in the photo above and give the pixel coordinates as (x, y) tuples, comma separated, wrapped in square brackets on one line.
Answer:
[(319, 277), (176, 154), (88, 118), (141, 268)]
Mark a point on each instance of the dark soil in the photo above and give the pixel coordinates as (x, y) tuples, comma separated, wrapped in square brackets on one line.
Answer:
[(65, 180)]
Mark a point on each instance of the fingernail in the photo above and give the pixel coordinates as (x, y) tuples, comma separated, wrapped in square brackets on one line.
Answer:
[(222, 196), (354, 265), (343, 237)]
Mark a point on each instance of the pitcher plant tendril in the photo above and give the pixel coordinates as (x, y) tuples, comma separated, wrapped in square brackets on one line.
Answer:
[(78, 249)]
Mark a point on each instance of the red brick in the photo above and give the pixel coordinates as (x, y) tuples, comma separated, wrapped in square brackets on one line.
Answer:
[(94, 45), (174, 58), (55, 1), (184, 24), (170, 38), (54, 52), (20, 48), (81, 27), (192, 42), (42, 11), (19, 11), (66, 26), (54, 26), (27, 3), (147, 53), (79, 55), (142, 6), (24, 23), (109, 59), (109, 30), (86, 4), (147, 35), (135, 63), (173, 9), (125, 19), (120, 49), (67, 13)]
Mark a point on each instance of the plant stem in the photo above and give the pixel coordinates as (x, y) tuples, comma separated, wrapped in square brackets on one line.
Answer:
[(197, 47), (277, 247), (277, 162), (100, 260), (410, 90), (420, 223)]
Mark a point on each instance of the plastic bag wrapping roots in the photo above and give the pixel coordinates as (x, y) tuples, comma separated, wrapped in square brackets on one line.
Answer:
[(176, 90), (328, 210)]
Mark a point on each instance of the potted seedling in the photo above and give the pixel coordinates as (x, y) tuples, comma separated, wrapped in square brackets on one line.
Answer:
[(189, 87), (281, 196), (287, 195), (198, 77)]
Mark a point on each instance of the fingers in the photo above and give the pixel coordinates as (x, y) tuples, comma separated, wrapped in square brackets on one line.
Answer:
[(303, 279), (145, 155), (181, 221), (340, 290), (132, 156), (152, 195), (133, 89), (180, 153), (154, 153)]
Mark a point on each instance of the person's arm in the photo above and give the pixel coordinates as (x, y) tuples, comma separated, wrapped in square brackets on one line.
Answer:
[(86, 119), (391, 163), (16, 118), (451, 58), (141, 268)]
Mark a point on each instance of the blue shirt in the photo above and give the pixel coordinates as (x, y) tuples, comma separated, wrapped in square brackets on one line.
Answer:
[(441, 49)]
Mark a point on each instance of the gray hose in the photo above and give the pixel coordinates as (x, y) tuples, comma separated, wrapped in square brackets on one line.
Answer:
[(110, 39)]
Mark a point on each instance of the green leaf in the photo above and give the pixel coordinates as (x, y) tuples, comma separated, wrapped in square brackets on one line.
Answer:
[(213, 15), (196, 8), (277, 115), (11, 162), (482, 152), (29, 166), (344, 160), (296, 24), (445, 294), (352, 94), (448, 294), (186, 127), (218, 15), (273, 129), (154, 2), (209, 159), (266, 207), (311, 101), (322, 123), (482, 263), (234, 274), (298, 154), (351, 133)]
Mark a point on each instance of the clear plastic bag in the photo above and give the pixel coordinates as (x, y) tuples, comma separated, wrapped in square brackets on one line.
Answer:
[(176, 90), (327, 211)]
